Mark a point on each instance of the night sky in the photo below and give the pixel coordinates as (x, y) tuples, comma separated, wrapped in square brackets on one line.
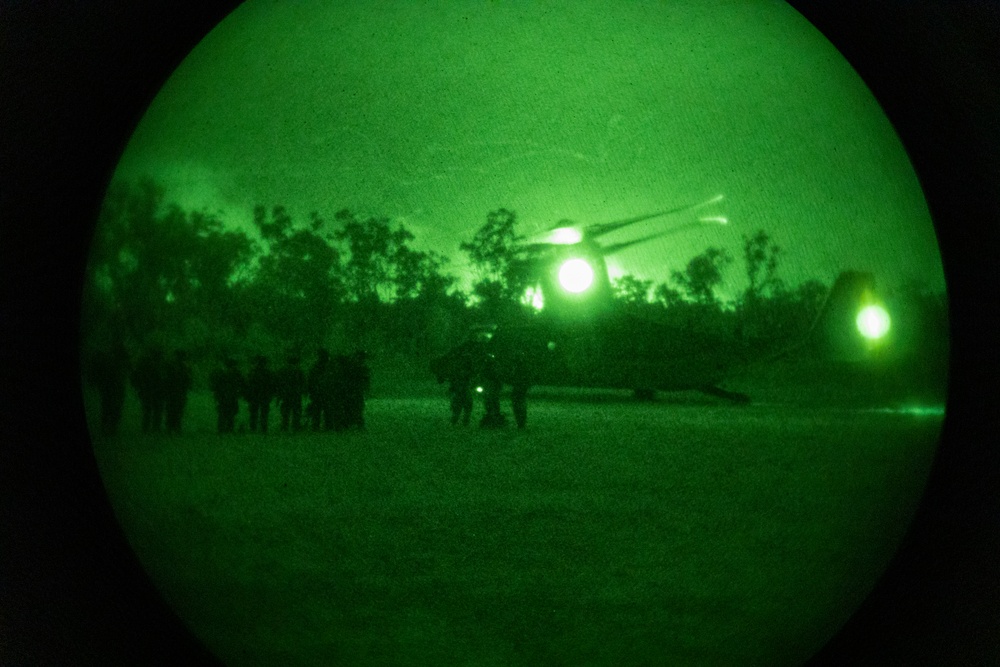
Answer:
[(590, 110)]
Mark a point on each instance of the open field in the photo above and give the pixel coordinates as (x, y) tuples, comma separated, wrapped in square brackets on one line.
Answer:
[(609, 532)]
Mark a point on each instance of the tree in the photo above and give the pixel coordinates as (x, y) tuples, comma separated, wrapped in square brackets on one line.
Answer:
[(298, 285), (391, 288), (810, 296), (769, 310), (219, 264), (274, 227), (420, 274), (761, 256), (782, 316), (154, 266), (634, 295), (632, 290), (667, 296), (419, 318), (501, 271), (702, 275), (492, 248), (765, 293), (375, 248)]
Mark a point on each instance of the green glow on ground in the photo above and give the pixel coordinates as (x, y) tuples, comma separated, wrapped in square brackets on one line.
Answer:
[(873, 322), (576, 275), (916, 410)]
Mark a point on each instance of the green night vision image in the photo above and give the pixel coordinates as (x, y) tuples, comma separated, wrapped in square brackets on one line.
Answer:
[(514, 333)]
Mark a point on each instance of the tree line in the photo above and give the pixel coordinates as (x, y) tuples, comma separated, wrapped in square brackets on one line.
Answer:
[(187, 279)]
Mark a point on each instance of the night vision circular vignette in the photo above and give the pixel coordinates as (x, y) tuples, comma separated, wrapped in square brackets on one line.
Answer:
[(515, 334)]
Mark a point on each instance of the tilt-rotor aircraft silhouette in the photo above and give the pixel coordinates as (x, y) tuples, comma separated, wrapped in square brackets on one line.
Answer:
[(578, 338)]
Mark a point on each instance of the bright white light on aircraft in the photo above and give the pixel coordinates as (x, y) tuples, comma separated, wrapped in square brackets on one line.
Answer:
[(533, 297), (566, 236), (575, 275), (873, 322)]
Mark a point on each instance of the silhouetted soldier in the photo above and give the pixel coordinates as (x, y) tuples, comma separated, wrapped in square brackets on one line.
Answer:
[(492, 386), (457, 367), (291, 385), (108, 371), (319, 385), (227, 385), (356, 381), (147, 378), (260, 389), (339, 391), (177, 381), (520, 381)]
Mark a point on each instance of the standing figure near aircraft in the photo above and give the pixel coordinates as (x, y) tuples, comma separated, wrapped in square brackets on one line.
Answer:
[(108, 370), (460, 385), (457, 367), (355, 383), (319, 383), (177, 381), (492, 386), (337, 391), (260, 389), (291, 385), (227, 384), (147, 378), (519, 374)]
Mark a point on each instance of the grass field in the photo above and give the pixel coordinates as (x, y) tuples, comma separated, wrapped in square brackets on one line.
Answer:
[(610, 532)]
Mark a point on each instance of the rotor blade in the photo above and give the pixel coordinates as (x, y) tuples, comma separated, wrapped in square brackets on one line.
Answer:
[(534, 249), (618, 247), (600, 229)]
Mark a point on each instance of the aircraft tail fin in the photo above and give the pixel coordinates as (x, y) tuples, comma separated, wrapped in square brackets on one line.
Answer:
[(834, 333), (835, 330)]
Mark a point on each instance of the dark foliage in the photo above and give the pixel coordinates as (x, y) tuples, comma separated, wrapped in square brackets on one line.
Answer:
[(162, 275)]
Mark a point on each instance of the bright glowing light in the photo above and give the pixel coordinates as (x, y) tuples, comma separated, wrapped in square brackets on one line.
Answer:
[(715, 218), (479, 390), (575, 275), (873, 322), (566, 236), (533, 297), (915, 410)]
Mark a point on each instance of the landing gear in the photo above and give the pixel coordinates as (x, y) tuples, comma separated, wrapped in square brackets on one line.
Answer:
[(735, 397), (645, 395)]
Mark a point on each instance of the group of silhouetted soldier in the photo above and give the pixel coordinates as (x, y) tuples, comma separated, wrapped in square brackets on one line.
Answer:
[(474, 366), (161, 384), (330, 396), (334, 388)]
